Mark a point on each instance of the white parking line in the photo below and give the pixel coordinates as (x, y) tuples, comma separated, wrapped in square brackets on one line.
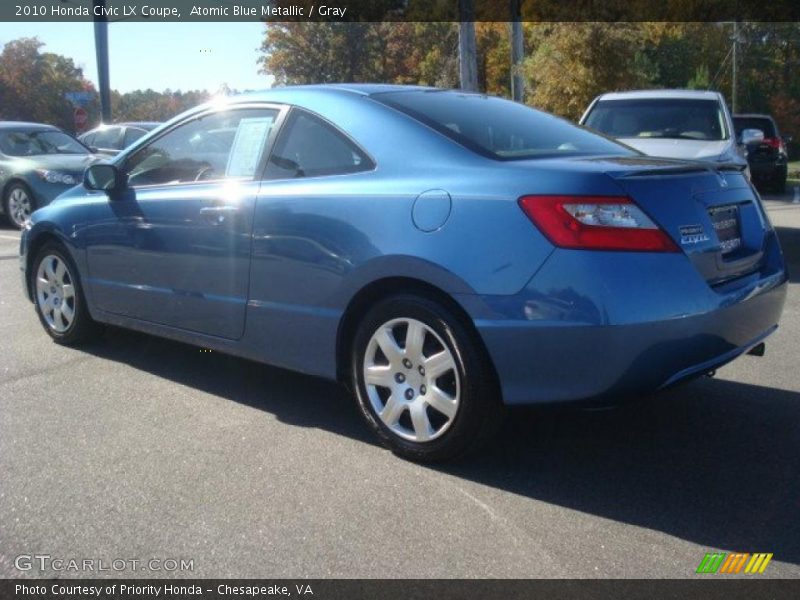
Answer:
[(10, 237)]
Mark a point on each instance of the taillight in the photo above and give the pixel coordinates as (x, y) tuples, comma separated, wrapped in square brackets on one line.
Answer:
[(774, 142), (596, 223)]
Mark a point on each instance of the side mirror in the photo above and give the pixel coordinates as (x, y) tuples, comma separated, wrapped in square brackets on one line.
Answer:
[(103, 178), (752, 136)]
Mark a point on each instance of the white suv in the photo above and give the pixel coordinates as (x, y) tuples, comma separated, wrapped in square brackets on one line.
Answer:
[(686, 124)]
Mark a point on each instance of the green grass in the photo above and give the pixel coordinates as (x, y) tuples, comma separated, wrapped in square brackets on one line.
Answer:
[(794, 169)]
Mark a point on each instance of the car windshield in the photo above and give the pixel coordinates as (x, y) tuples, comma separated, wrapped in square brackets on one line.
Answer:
[(672, 118), (497, 128), (34, 143), (762, 123)]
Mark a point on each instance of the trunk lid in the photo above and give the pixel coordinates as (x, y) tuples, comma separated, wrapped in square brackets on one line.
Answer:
[(713, 214)]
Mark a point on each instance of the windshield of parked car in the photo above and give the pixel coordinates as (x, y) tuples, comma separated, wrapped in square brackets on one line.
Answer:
[(672, 118), (763, 123), (34, 143), (498, 128)]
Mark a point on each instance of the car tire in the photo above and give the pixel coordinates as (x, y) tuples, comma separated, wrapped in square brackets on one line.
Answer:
[(18, 204), (779, 183), (440, 414), (58, 296)]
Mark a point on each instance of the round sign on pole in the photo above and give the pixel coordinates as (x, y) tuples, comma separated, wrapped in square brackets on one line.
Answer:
[(80, 117)]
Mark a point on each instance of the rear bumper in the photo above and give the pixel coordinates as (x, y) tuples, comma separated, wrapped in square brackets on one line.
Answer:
[(768, 169), (625, 336)]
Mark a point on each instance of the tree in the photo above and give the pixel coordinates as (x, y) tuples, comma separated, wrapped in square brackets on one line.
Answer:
[(33, 84), (301, 53), (149, 105), (574, 62)]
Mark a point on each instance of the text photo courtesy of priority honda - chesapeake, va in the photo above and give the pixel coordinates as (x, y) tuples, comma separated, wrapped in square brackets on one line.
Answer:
[(395, 299)]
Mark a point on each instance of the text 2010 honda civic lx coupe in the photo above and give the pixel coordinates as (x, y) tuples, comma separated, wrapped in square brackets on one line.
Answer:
[(443, 253)]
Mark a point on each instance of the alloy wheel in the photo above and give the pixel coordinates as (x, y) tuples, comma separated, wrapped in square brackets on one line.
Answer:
[(411, 379), (20, 206), (55, 293)]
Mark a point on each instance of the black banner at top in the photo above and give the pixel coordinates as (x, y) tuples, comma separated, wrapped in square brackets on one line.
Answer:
[(398, 10)]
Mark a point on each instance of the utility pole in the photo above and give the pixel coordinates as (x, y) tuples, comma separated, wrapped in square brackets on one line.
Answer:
[(517, 50), (101, 50), (467, 47), (734, 102)]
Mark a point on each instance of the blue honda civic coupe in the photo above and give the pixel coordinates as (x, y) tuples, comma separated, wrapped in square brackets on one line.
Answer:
[(443, 253)]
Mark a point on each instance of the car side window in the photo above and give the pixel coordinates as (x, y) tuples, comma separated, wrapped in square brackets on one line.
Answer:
[(88, 139), (107, 137), (131, 135), (228, 144), (310, 147)]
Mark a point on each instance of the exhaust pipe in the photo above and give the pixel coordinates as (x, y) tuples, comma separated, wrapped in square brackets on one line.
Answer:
[(758, 350)]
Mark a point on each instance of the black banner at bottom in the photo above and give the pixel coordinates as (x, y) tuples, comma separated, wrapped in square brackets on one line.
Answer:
[(401, 589)]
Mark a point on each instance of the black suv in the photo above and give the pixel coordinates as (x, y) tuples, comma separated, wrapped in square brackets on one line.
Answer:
[(767, 158)]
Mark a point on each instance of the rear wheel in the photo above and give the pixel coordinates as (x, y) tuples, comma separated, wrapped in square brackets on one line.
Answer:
[(779, 182), (58, 296), (422, 382), (18, 204)]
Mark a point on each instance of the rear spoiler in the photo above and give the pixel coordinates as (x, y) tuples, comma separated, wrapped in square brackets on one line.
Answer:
[(688, 168)]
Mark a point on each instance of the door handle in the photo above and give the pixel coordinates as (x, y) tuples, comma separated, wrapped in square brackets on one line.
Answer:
[(217, 215)]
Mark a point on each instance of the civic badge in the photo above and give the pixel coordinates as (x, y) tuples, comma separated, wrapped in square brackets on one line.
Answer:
[(692, 234)]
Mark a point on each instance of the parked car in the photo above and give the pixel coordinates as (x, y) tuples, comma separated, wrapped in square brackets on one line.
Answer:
[(110, 139), (766, 152), (442, 253), (686, 124), (37, 163)]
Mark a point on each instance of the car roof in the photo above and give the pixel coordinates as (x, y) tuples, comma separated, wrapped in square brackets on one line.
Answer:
[(661, 94), (752, 116), (143, 124), (26, 125), (360, 89), (363, 89)]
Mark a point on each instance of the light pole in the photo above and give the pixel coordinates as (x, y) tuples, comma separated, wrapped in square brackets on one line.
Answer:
[(101, 49), (517, 50), (467, 47)]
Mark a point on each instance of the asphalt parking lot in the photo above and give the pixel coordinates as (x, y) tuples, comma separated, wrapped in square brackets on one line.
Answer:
[(135, 447)]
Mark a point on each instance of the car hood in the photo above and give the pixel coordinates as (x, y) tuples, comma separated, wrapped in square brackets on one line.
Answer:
[(671, 148), (70, 163)]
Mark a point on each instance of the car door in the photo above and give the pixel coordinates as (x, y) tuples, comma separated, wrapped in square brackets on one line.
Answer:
[(174, 248)]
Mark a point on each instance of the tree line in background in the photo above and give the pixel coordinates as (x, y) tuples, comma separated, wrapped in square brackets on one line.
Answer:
[(566, 65)]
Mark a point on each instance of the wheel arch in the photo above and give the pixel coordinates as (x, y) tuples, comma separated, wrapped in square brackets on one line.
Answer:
[(8, 183), (36, 243), (11, 181), (380, 289)]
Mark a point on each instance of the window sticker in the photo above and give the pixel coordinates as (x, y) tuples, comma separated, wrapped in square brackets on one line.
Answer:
[(248, 145)]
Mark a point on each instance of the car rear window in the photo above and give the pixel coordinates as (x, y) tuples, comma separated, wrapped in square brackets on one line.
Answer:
[(671, 118), (497, 128), (764, 124)]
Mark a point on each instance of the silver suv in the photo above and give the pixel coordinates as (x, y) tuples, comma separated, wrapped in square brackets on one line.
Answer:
[(685, 124)]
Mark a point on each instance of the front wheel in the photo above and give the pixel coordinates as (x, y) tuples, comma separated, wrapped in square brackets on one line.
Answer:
[(423, 382), (58, 296), (18, 204), (779, 185)]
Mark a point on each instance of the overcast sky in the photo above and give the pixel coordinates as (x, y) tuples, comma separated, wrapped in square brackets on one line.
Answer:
[(179, 56)]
